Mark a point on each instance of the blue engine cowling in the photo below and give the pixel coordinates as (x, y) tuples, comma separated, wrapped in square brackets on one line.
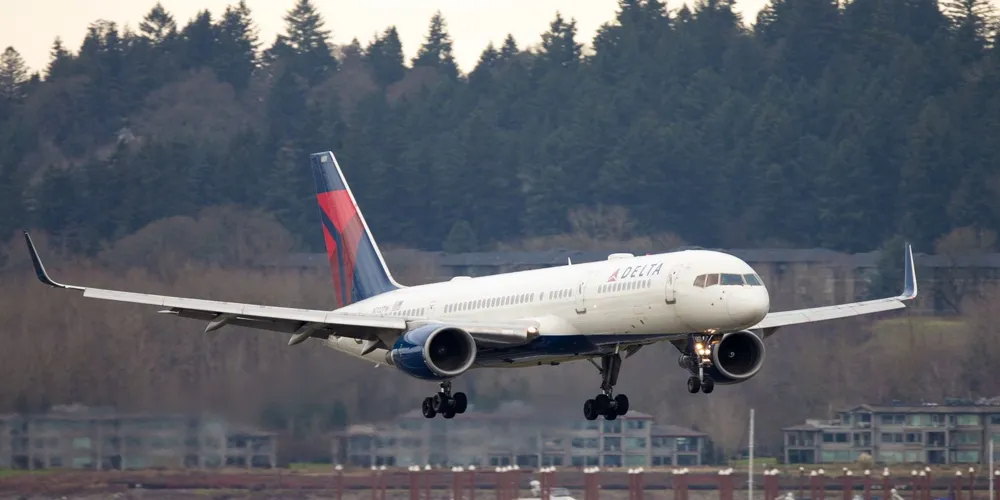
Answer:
[(736, 358), (434, 352)]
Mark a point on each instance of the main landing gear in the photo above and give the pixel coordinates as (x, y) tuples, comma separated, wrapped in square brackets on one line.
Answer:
[(444, 403), (604, 404), (700, 356)]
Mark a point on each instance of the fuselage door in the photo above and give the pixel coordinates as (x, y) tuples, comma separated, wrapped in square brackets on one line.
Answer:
[(581, 305), (670, 292)]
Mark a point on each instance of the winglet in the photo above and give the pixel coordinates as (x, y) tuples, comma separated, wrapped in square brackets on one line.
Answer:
[(910, 276), (40, 269)]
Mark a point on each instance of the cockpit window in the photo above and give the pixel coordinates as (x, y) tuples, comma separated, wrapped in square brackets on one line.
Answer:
[(753, 280), (711, 279), (732, 279), (700, 281)]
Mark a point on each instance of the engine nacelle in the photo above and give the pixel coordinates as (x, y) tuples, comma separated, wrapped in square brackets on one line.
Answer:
[(433, 352), (737, 357)]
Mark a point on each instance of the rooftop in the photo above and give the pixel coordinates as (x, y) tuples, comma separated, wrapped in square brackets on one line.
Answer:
[(521, 412)]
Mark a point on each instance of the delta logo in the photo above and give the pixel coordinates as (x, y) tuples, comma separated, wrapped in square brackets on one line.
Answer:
[(636, 272)]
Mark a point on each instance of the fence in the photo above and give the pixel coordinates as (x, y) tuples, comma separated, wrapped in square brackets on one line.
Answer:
[(507, 483)]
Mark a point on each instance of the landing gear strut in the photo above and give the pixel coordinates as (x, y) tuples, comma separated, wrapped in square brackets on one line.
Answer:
[(444, 403), (604, 403), (700, 356)]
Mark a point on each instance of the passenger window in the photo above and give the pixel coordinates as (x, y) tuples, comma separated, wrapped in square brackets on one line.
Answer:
[(700, 281), (711, 279), (752, 280), (732, 279)]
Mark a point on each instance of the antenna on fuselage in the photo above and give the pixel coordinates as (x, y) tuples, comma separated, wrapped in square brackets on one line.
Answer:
[(569, 261)]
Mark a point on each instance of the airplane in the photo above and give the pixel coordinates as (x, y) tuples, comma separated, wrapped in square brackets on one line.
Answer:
[(711, 306)]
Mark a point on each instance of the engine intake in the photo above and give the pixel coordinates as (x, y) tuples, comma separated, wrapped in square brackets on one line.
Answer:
[(433, 352), (737, 357)]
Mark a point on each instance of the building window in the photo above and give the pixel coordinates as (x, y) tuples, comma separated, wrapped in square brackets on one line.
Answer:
[(935, 439), (892, 419), (839, 437), (966, 420), (862, 439), (801, 456), (612, 460), (583, 443), (552, 460), (634, 443), (995, 419), (892, 437), (686, 444), (613, 426), (661, 460), (965, 437), (612, 444), (838, 456), (890, 457), (965, 457), (687, 459), (634, 425), (634, 460), (914, 437)]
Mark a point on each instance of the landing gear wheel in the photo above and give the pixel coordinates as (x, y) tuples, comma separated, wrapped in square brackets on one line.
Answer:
[(449, 413), (694, 384), (441, 402), (707, 385), (621, 404), (427, 408), (460, 402), (603, 402)]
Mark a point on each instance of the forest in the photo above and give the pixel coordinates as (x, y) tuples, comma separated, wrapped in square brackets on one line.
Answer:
[(171, 158)]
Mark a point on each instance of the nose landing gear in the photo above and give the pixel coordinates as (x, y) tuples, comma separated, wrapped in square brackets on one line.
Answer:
[(699, 355), (604, 403)]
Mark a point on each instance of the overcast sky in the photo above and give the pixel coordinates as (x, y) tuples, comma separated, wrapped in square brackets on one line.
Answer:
[(31, 26)]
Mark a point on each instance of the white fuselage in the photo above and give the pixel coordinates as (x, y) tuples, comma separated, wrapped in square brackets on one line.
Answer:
[(653, 296)]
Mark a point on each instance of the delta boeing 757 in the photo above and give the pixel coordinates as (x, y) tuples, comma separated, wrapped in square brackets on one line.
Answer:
[(710, 305)]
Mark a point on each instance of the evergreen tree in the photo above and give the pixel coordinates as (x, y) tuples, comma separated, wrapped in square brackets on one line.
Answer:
[(13, 75), (385, 55), (305, 43), (436, 50), (60, 62), (236, 56), (158, 25)]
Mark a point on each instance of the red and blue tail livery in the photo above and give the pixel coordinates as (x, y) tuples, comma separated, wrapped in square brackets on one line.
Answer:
[(359, 271)]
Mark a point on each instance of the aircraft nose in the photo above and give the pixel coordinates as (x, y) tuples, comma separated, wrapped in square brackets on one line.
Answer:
[(748, 306)]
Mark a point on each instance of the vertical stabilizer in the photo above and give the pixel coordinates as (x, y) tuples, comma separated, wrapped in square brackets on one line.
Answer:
[(358, 269)]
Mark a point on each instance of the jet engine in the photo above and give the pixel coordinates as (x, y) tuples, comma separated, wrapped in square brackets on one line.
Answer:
[(433, 352), (735, 358)]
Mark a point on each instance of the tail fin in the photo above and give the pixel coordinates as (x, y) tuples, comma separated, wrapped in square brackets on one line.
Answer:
[(359, 272)]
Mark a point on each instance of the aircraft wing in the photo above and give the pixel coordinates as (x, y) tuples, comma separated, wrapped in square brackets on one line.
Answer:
[(301, 323), (778, 319)]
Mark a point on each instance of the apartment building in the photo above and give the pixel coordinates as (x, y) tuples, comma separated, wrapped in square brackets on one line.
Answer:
[(81, 437), (519, 434), (954, 432)]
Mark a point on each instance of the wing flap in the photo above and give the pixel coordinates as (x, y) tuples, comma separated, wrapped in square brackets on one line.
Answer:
[(778, 319), (248, 310)]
